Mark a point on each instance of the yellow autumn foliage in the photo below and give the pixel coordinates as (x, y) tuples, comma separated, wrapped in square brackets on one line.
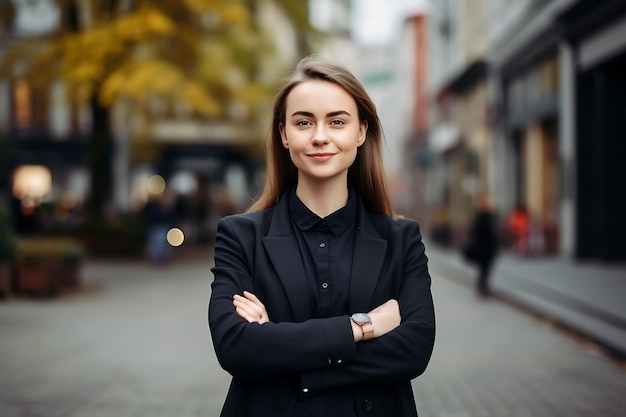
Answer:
[(168, 50), (236, 14), (142, 24), (195, 94), (202, 5), (142, 80)]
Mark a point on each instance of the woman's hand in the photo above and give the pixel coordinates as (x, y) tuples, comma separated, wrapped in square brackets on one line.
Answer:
[(385, 317), (250, 308)]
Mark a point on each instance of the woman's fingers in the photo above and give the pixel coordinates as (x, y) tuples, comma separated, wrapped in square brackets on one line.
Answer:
[(263, 311), (246, 309), (244, 314), (254, 299), (250, 308), (246, 304)]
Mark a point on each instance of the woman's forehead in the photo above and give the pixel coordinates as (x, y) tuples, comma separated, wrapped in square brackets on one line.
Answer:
[(319, 94)]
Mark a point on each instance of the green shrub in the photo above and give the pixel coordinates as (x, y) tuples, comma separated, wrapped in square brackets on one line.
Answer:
[(49, 250)]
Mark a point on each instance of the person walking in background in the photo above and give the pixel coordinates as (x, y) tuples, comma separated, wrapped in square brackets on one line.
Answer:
[(321, 302), (482, 245), (160, 217)]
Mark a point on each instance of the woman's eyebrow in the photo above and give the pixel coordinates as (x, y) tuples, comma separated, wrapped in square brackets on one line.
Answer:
[(337, 113), (302, 113), (309, 114)]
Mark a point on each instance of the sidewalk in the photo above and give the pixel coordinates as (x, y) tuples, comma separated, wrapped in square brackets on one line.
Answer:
[(133, 341), (587, 297)]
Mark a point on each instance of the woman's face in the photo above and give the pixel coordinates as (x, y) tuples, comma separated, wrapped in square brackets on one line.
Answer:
[(322, 131)]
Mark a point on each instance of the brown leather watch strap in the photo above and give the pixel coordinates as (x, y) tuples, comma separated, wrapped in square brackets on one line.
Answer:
[(368, 331)]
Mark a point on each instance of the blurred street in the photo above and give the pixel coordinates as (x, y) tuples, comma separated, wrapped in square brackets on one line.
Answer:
[(134, 341)]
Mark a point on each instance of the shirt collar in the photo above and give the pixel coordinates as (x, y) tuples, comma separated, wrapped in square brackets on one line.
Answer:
[(337, 221)]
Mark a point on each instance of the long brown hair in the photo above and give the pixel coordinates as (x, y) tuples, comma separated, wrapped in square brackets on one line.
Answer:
[(366, 173)]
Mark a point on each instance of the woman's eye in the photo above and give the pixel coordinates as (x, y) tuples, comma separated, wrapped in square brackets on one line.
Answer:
[(336, 122), (303, 123)]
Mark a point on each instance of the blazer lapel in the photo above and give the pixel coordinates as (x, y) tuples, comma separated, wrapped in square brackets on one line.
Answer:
[(369, 254), (282, 249)]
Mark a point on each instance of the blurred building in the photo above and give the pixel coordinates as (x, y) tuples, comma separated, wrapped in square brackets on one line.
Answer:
[(41, 126), (40, 130), (405, 118), (332, 19), (559, 77), (460, 132), (395, 77), (527, 104)]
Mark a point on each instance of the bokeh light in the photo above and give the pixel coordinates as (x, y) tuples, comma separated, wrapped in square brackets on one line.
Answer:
[(68, 200), (175, 236), (156, 185), (31, 181)]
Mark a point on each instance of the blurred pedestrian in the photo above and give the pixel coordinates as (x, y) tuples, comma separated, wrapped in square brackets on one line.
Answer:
[(482, 243), (321, 302), (160, 217)]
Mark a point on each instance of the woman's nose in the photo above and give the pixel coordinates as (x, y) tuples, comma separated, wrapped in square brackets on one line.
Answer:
[(320, 135)]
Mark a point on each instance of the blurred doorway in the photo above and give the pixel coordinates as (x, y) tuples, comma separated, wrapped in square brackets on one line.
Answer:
[(601, 148)]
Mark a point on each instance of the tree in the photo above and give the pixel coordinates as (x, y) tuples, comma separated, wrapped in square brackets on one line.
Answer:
[(199, 57)]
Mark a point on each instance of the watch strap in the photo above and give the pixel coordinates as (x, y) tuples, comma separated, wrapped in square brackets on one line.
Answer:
[(368, 331)]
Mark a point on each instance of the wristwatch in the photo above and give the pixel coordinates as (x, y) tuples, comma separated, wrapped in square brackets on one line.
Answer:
[(365, 322)]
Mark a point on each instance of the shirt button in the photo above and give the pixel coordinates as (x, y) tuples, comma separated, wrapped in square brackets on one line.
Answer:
[(305, 390), (368, 405), (325, 285), (322, 245)]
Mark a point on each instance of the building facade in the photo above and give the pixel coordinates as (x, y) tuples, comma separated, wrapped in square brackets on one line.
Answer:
[(412, 69), (460, 122), (560, 90), (526, 99)]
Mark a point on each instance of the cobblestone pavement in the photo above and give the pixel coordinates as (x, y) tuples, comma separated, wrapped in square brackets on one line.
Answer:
[(493, 360), (134, 342)]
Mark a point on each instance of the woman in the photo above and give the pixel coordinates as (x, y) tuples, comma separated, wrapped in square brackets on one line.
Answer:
[(321, 303)]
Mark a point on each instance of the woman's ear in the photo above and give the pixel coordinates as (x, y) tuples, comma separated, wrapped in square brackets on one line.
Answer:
[(362, 133), (283, 136)]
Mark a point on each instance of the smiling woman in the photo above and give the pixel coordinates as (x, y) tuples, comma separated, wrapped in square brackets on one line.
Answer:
[(321, 302), (322, 138)]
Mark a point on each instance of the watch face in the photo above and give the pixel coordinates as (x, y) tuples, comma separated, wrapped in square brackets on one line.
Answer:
[(361, 318)]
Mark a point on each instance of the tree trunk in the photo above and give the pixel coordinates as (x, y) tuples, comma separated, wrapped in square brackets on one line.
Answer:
[(100, 160)]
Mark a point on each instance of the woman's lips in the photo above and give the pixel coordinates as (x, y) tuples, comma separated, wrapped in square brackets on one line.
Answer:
[(321, 157)]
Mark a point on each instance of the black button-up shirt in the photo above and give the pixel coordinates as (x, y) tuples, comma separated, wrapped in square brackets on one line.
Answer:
[(326, 246)]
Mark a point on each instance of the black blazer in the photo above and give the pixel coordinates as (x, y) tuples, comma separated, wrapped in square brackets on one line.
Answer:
[(297, 355)]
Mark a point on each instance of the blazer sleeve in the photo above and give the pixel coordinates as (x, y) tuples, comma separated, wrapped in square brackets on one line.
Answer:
[(253, 351), (403, 353)]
